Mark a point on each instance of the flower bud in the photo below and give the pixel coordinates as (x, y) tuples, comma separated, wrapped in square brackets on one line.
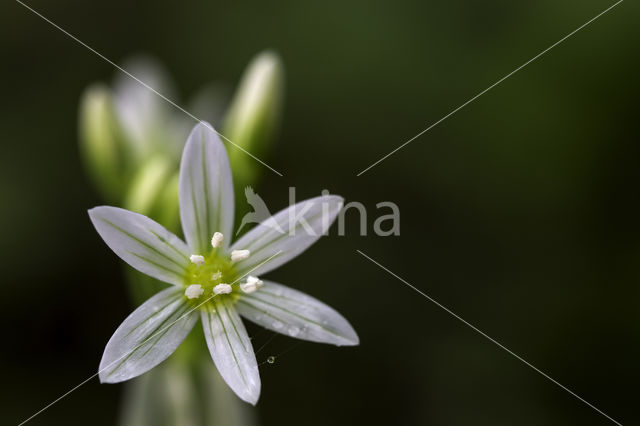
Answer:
[(253, 116), (147, 185), (102, 142)]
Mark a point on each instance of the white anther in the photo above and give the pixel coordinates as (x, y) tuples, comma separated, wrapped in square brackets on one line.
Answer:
[(222, 289), (252, 284), (216, 240), (216, 276), (239, 255), (197, 259), (193, 291)]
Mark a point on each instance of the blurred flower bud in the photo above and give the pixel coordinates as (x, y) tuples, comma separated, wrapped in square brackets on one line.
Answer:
[(150, 123), (254, 115), (147, 185), (102, 142)]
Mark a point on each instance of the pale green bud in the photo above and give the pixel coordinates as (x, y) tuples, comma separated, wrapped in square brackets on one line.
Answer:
[(102, 142), (254, 114), (147, 185)]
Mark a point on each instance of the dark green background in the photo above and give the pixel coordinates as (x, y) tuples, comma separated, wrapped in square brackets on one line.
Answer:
[(520, 212)]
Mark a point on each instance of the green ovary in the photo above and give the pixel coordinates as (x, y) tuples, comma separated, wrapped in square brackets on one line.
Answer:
[(207, 274)]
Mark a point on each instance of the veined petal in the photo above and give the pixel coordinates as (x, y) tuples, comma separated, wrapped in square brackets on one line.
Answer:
[(148, 336), (142, 243), (287, 233), (231, 349), (206, 189), (293, 313)]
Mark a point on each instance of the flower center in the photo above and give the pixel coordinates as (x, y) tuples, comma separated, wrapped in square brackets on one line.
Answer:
[(209, 272), (214, 275)]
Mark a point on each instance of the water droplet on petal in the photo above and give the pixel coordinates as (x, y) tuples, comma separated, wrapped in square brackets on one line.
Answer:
[(293, 331), (277, 325), (271, 359)]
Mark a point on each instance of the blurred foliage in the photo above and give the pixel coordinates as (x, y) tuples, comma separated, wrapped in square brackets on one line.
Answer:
[(190, 393)]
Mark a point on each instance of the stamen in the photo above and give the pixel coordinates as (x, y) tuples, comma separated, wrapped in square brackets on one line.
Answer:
[(197, 259), (252, 284), (222, 289), (216, 240), (216, 276), (193, 291), (237, 255)]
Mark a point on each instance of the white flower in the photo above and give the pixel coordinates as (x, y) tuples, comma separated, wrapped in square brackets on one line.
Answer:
[(156, 328)]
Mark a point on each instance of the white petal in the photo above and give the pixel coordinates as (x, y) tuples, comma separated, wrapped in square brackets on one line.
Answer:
[(206, 189), (148, 336), (290, 232), (231, 349), (293, 313), (142, 243)]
